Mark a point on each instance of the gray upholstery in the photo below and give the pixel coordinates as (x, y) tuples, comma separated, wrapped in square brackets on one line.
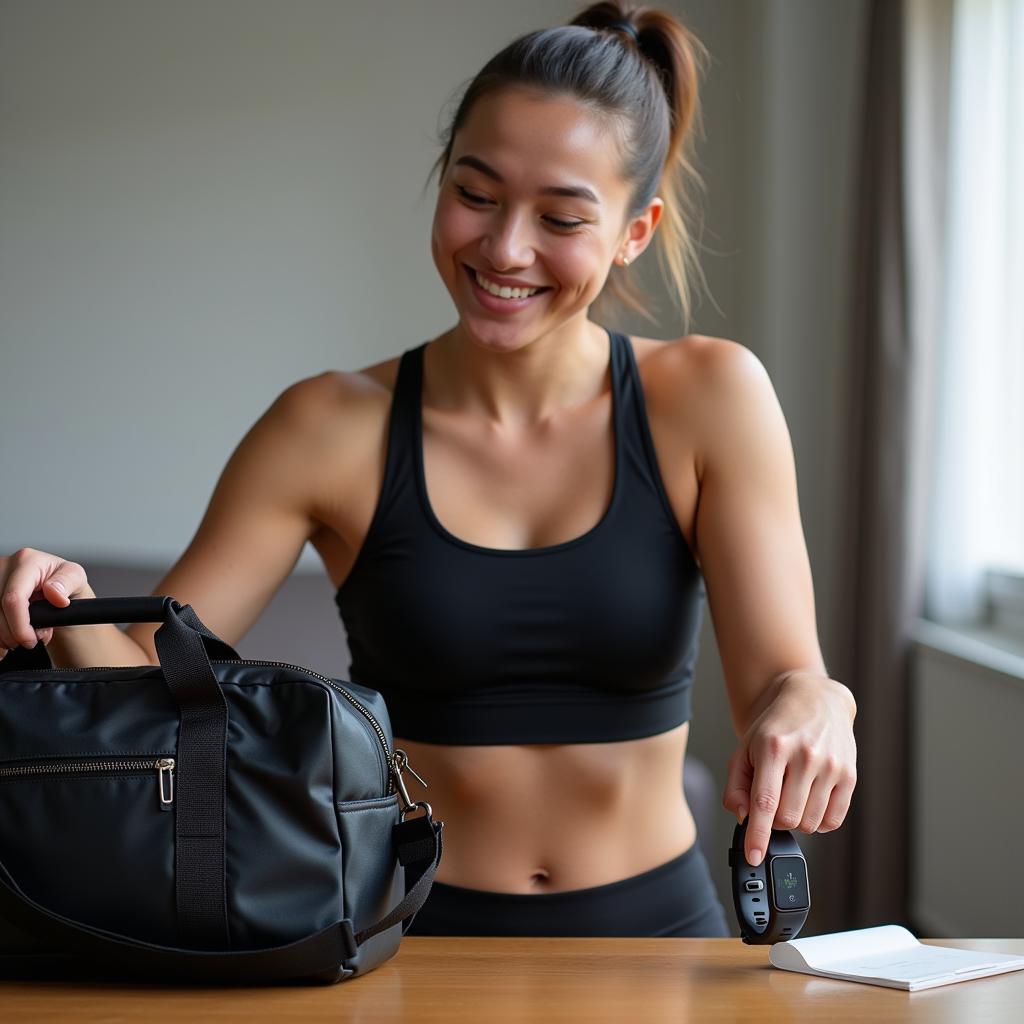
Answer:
[(301, 625)]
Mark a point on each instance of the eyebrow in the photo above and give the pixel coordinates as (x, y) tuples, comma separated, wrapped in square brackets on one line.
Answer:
[(572, 191)]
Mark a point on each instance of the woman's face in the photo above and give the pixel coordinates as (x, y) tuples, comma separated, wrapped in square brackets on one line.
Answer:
[(531, 198)]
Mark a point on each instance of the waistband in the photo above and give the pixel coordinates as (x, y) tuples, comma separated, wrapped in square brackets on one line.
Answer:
[(674, 898), (634, 884)]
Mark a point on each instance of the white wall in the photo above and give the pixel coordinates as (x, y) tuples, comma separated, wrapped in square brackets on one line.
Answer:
[(201, 203), (967, 703)]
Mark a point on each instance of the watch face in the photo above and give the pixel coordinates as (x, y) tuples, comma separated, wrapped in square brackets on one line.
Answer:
[(789, 883)]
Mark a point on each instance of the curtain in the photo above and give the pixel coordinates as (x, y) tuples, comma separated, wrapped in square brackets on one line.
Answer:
[(863, 866)]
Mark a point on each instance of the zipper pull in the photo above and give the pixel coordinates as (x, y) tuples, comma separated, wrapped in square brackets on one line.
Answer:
[(400, 763), (165, 777)]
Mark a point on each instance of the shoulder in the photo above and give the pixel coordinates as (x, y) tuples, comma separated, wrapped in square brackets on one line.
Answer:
[(714, 390), (336, 425), (323, 434), (696, 361), (338, 393), (335, 404)]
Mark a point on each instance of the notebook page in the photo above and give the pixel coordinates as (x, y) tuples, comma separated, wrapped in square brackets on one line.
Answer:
[(820, 951), (888, 955)]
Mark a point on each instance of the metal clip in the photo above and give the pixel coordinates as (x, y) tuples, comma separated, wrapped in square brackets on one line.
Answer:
[(400, 763)]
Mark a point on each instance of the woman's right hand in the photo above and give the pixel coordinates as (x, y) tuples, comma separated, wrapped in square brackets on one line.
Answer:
[(29, 575)]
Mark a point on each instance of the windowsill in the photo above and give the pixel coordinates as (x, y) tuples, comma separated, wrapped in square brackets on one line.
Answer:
[(997, 650)]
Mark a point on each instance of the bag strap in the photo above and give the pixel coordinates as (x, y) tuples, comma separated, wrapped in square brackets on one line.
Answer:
[(323, 951), (419, 848), (199, 822)]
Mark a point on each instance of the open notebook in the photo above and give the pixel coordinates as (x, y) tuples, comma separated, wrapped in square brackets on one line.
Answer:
[(889, 956)]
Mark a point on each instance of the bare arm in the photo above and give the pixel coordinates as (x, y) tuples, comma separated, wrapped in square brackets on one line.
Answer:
[(257, 522), (749, 534), (796, 761)]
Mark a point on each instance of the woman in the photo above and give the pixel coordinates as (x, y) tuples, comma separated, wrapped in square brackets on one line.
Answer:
[(521, 516)]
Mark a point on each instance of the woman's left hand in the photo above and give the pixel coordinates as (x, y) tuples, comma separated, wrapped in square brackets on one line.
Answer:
[(796, 765)]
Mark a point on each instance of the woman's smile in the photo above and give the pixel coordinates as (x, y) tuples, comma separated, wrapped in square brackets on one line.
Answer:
[(500, 298)]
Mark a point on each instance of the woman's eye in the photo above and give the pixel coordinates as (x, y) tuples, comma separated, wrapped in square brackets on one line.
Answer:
[(562, 225), (567, 225), (469, 195)]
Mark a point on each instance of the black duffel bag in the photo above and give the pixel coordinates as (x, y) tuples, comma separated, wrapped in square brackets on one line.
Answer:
[(208, 819)]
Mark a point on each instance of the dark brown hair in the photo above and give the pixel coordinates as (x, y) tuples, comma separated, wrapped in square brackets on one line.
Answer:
[(648, 86)]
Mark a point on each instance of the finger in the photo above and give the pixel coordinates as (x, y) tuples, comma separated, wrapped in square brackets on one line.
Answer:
[(36, 595), (765, 792), (25, 572), (15, 629), (737, 786), (838, 804), (817, 802), (56, 589), (23, 583), (801, 772)]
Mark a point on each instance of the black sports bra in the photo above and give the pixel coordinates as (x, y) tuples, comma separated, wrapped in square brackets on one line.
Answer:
[(590, 640)]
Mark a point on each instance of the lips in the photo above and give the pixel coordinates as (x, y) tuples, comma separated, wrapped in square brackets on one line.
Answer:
[(504, 281), (495, 304)]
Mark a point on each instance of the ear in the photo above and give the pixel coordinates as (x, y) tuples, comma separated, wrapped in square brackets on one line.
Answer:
[(640, 231)]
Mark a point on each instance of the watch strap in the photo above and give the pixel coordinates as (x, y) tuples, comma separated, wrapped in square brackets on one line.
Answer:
[(760, 921)]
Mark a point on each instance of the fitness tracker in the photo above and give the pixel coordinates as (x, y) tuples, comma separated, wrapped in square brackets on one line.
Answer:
[(773, 899)]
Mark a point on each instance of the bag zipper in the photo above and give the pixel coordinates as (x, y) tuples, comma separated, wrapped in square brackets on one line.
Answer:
[(163, 766), (364, 711)]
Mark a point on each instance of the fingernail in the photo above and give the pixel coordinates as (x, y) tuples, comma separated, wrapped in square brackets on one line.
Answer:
[(755, 858), (741, 814), (58, 586)]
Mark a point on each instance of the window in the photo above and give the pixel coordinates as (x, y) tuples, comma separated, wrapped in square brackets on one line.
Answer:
[(975, 547)]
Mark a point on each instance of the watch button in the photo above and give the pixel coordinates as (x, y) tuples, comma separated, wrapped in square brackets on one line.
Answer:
[(754, 885)]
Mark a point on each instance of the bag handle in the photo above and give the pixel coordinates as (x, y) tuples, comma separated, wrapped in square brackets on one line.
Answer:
[(182, 645), (419, 846), (91, 611)]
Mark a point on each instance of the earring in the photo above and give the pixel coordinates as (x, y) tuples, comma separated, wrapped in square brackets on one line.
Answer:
[(625, 261)]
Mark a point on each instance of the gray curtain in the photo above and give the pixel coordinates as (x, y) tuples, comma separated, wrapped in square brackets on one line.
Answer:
[(862, 867)]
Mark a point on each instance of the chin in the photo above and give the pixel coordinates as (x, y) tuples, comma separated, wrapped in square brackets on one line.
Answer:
[(497, 337)]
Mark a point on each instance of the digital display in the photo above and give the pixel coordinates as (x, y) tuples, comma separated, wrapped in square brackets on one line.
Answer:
[(789, 881)]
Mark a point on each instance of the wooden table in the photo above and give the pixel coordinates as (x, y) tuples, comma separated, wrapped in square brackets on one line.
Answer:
[(479, 981)]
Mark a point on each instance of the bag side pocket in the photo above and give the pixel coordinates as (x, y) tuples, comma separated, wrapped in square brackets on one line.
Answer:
[(374, 881)]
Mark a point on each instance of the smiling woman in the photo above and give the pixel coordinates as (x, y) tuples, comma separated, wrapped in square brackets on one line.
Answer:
[(523, 515), (536, 540)]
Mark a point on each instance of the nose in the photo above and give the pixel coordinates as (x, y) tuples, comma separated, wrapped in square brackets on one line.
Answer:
[(508, 242)]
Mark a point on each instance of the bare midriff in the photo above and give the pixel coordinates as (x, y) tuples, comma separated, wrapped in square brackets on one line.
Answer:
[(543, 818)]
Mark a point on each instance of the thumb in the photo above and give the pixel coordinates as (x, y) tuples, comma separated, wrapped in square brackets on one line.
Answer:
[(55, 590), (738, 782)]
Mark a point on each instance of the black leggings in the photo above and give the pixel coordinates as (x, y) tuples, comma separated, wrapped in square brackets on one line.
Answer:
[(674, 899)]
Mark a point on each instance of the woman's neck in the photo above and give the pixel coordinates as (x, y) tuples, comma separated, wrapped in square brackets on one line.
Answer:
[(522, 387)]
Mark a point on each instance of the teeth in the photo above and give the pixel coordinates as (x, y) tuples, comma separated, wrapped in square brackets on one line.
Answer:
[(503, 291)]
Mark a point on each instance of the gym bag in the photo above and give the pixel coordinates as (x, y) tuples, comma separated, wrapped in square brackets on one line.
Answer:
[(207, 819)]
